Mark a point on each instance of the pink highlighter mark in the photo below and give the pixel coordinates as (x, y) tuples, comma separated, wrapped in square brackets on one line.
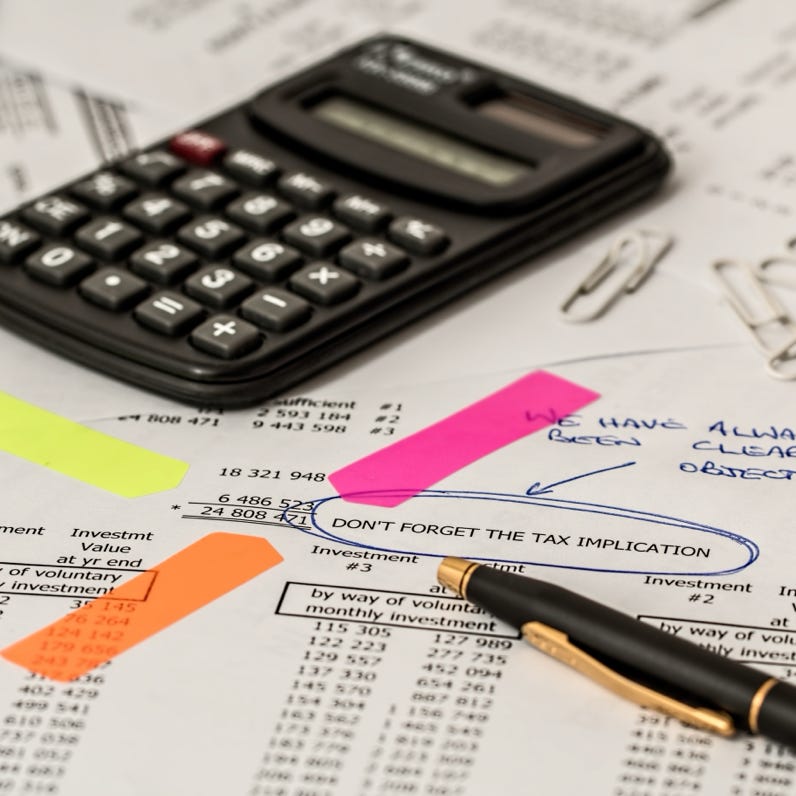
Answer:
[(396, 473)]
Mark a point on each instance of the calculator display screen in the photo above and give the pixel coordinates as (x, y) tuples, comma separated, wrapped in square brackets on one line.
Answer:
[(543, 120), (422, 142)]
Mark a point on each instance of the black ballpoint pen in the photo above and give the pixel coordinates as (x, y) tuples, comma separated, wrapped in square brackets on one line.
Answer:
[(635, 660)]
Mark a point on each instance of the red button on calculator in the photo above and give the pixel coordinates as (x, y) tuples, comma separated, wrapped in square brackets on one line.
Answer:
[(197, 147)]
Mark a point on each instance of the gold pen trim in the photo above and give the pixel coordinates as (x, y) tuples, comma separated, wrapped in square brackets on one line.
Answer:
[(757, 703), (454, 574), (557, 644)]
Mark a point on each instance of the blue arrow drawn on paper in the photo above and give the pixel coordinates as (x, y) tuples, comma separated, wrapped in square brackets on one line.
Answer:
[(537, 488)]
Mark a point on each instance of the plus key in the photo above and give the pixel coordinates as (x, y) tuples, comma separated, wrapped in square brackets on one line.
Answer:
[(226, 336)]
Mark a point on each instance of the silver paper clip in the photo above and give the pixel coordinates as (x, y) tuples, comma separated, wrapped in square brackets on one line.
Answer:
[(772, 328), (767, 270), (780, 359), (638, 250)]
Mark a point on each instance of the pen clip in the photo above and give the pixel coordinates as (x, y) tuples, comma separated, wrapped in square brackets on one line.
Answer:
[(557, 644)]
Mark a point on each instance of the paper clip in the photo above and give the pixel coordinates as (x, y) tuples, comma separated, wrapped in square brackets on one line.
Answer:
[(766, 272), (787, 353), (762, 313), (635, 250), (780, 359)]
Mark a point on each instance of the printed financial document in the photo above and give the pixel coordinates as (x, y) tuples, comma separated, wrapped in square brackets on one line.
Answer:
[(303, 645), (345, 668)]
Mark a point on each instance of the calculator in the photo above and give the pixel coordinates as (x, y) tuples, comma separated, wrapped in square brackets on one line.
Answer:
[(233, 260)]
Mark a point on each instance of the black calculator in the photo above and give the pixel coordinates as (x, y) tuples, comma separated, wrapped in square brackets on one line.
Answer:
[(233, 260)]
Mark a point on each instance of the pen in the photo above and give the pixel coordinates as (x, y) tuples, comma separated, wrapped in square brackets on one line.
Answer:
[(633, 659)]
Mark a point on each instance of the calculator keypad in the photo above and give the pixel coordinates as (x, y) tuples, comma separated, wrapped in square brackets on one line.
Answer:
[(218, 286), (153, 168), (108, 238), (361, 213), (197, 147), (105, 190), (211, 236), (260, 212), (113, 288), (276, 309), (267, 260), (59, 264), (204, 189), (16, 240), (306, 190), (417, 236), (55, 215), (157, 213), (317, 236), (226, 336), (373, 258), (251, 168), (324, 283), (169, 313), (221, 248), (163, 262)]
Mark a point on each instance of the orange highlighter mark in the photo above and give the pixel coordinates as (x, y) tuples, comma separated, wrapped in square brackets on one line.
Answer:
[(111, 624)]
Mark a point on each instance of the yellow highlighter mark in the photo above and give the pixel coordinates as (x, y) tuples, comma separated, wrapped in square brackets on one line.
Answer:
[(82, 453)]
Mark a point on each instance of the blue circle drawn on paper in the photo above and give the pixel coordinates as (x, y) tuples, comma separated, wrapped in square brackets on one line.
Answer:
[(653, 518)]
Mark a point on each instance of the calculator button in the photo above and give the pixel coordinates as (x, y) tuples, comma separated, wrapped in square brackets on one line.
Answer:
[(163, 262), (105, 190), (204, 189), (59, 264), (211, 236), (218, 286), (113, 288), (251, 168), (108, 238), (267, 260), (418, 236), (156, 213), (226, 336), (260, 212), (276, 309), (373, 258), (55, 215), (153, 168), (324, 283), (306, 190), (16, 240), (361, 212), (316, 235), (168, 313), (197, 147)]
